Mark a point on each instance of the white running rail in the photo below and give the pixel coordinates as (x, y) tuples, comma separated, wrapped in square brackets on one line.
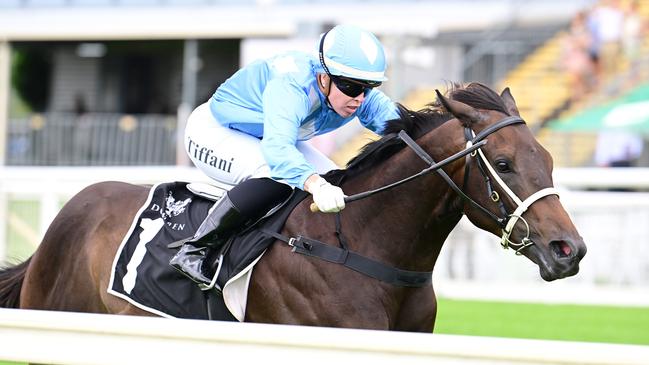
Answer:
[(81, 338)]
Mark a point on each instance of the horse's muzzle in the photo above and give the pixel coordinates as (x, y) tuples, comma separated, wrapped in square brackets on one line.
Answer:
[(561, 259)]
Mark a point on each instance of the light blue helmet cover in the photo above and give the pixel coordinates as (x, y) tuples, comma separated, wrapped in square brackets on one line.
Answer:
[(353, 52)]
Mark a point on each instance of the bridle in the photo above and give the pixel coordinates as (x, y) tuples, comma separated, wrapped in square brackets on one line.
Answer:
[(385, 273), (474, 143), (508, 221)]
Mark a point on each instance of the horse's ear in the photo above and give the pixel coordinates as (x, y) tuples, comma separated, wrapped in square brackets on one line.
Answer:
[(510, 103), (461, 111)]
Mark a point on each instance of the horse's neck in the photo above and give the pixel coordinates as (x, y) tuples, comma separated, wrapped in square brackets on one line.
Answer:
[(407, 224)]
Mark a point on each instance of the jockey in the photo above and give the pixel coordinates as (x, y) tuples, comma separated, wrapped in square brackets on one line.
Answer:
[(252, 132)]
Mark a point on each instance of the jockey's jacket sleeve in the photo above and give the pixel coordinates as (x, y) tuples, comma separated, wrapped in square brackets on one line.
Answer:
[(285, 106), (376, 111)]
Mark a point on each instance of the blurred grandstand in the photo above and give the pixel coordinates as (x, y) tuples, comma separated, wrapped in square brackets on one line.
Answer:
[(106, 82), (543, 94)]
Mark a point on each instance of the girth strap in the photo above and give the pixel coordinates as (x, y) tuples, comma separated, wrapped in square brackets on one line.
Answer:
[(357, 262)]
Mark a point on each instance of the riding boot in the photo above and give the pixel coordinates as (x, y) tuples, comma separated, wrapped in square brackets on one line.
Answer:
[(222, 221), (189, 261)]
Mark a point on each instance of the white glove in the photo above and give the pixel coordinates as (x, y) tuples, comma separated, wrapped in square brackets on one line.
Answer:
[(328, 198)]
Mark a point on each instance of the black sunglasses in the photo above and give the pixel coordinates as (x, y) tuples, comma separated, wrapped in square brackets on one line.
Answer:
[(353, 87)]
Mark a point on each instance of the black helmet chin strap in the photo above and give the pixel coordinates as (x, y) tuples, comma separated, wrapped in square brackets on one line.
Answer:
[(321, 53)]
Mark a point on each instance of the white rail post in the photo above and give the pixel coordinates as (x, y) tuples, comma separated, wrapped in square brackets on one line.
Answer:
[(4, 115), (49, 207), (5, 62), (3, 222)]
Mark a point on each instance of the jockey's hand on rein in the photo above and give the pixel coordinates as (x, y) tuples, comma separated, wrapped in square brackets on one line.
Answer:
[(328, 198)]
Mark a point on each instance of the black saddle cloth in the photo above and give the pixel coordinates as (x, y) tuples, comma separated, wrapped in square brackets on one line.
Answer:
[(141, 272)]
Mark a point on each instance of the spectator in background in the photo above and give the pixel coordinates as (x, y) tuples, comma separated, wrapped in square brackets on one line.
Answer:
[(575, 58), (607, 20), (633, 31), (617, 148), (595, 46)]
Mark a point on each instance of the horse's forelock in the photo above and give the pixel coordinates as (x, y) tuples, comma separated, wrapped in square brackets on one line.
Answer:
[(479, 96)]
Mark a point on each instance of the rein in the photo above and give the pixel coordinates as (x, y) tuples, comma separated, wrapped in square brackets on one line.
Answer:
[(473, 147), (424, 156), (398, 277)]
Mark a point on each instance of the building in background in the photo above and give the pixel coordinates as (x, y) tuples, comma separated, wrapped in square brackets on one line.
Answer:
[(107, 82)]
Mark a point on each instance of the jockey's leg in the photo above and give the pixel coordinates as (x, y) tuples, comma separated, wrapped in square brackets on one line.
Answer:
[(232, 157), (241, 206)]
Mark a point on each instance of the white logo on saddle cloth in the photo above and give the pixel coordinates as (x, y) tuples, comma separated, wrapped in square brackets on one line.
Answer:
[(174, 208)]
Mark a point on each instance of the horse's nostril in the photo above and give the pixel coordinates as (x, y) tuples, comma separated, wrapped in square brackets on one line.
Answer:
[(561, 248)]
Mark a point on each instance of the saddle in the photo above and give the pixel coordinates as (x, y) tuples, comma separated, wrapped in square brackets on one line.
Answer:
[(173, 212)]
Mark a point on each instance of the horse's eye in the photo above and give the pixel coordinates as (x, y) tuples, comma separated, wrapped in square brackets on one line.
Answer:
[(503, 166)]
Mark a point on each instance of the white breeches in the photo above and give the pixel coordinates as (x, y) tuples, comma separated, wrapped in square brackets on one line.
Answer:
[(230, 156)]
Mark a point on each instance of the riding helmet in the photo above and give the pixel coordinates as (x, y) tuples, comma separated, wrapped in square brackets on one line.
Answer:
[(349, 51)]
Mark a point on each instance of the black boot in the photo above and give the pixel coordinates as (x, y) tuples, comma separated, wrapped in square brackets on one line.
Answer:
[(189, 261), (253, 198), (224, 220)]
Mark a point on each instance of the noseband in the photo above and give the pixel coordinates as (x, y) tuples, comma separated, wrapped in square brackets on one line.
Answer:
[(473, 148)]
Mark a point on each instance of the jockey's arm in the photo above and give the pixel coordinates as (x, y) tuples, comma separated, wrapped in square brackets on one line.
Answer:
[(285, 106)]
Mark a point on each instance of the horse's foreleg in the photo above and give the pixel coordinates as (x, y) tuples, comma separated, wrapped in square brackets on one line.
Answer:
[(418, 311)]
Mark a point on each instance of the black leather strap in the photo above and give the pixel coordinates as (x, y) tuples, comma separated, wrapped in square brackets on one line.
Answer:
[(433, 167), (375, 269), (354, 261), (321, 54), (415, 147), (426, 157), (496, 126)]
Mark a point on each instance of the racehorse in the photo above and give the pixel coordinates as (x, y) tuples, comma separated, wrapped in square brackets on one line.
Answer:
[(404, 226)]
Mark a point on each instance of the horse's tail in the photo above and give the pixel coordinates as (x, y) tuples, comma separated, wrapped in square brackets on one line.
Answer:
[(11, 283)]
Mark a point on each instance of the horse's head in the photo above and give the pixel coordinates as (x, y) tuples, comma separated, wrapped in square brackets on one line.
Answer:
[(511, 180)]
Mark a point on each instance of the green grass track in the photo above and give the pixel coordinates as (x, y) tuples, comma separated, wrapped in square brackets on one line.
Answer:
[(628, 325)]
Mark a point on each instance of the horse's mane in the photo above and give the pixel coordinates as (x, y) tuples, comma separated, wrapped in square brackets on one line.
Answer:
[(417, 124)]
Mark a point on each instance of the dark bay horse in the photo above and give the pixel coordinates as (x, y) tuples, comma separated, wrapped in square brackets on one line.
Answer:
[(404, 227)]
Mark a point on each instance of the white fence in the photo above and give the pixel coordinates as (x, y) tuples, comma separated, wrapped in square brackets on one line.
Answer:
[(614, 225), (80, 338), (51, 186)]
